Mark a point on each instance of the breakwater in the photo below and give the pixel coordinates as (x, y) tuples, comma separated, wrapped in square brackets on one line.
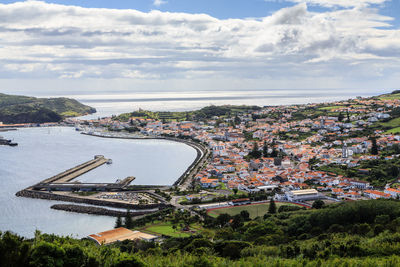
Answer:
[(76, 171), (97, 211), (86, 200)]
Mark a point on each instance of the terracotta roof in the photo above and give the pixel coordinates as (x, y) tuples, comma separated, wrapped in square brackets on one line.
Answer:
[(119, 234)]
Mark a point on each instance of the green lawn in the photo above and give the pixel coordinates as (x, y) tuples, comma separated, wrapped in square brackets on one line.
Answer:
[(393, 131), (254, 210), (165, 228), (393, 123), (222, 186), (331, 107), (358, 106), (390, 97)]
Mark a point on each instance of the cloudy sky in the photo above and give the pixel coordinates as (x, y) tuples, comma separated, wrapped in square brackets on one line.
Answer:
[(101, 45)]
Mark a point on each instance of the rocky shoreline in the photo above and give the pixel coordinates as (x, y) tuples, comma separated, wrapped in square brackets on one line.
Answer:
[(96, 211), (96, 202)]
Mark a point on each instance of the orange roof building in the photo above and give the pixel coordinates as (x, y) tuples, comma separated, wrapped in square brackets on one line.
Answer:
[(119, 234)]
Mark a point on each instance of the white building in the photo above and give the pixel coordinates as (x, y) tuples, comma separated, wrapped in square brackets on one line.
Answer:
[(303, 195)]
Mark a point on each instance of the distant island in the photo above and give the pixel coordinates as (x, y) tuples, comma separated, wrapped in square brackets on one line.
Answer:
[(25, 109)]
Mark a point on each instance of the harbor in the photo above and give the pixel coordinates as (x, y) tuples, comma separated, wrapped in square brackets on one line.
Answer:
[(63, 187), (151, 162)]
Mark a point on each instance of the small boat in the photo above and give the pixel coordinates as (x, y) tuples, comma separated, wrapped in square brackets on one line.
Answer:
[(109, 161), (7, 142)]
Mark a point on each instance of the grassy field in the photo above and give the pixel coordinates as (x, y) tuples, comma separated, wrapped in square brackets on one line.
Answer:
[(165, 228), (393, 131), (392, 126), (392, 123), (390, 97), (254, 210), (358, 106), (331, 107)]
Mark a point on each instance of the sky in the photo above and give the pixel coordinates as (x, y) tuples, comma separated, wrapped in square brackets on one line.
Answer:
[(92, 46)]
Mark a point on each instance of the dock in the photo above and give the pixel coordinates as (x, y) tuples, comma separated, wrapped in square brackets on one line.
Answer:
[(77, 171), (63, 181)]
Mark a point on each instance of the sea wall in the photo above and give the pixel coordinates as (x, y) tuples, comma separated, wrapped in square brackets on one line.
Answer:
[(91, 201), (96, 211)]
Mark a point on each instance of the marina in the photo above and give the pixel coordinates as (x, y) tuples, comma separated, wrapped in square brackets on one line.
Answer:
[(152, 162)]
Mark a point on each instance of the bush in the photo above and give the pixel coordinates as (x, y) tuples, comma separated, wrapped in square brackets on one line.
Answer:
[(287, 208)]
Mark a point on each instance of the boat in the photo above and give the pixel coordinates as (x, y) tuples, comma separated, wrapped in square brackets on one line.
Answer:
[(7, 142), (109, 161)]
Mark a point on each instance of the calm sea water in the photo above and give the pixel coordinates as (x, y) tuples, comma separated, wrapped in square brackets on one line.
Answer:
[(43, 152)]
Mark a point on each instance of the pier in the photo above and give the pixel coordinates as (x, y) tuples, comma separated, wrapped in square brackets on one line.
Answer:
[(62, 181), (77, 171), (61, 187)]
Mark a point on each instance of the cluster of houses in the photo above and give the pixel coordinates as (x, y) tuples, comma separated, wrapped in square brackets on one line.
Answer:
[(287, 146)]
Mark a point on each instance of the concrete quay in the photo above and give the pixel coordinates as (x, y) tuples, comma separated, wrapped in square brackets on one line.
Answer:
[(77, 171)]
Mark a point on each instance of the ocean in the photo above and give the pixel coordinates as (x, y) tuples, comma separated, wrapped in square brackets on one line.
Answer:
[(44, 152), (117, 102)]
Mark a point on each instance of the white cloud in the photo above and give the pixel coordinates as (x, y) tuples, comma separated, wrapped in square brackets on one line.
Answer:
[(159, 2), (340, 3), (49, 41)]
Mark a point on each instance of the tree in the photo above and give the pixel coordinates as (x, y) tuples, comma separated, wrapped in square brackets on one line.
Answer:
[(237, 120), (118, 222), (128, 261), (394, 171), (274, 153), (265, 150), (245, 215), (318, 204), (255, 153), (235, 190), (128, 220), (74, 256), (223, 219), (47, 254), (374, 148), (340, 117), (272, 207)]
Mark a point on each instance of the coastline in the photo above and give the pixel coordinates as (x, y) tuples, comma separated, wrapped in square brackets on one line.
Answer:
[(201, 150), (183, 182)]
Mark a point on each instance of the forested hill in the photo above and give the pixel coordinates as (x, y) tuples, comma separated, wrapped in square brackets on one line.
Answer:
[(25, 109), (360, 233), (203, 113)]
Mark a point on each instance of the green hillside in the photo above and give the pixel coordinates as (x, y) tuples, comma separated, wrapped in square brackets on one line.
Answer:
[(24, 109), (361, 233), (203, 113)]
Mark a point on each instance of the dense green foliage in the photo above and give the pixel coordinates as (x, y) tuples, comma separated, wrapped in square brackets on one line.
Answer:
[(363, 233), (24, 109), (204, 113), (378, 172)]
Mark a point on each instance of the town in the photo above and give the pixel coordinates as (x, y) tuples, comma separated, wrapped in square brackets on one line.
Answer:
[(296, 153)]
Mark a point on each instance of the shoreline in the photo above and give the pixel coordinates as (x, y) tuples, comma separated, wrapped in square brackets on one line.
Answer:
[(201, 150), (183, 182), (99, 211)]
